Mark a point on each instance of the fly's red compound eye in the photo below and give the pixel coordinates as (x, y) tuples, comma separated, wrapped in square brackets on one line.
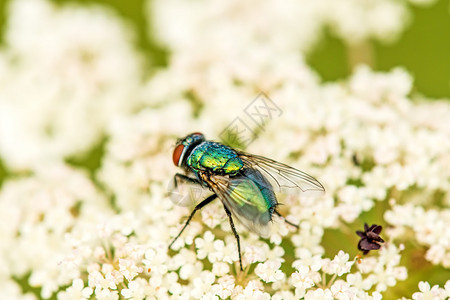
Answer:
[(177, 154)]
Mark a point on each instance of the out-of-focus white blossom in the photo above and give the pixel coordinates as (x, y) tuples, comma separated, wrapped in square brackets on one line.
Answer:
[(429, 228), (76, 291), (188, 25), (139, 153), (435, 292), (290, 26), (37, 213), (355, 20), (319, 294), (66, 72), (12, 290)]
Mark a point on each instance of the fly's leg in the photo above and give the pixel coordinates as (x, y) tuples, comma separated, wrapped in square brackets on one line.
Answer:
[(179, 196), (185, 178), (197, 207), (235, 235), (290, 223)]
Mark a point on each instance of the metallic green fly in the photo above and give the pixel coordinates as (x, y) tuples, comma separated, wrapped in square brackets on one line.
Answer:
[(243, 182)]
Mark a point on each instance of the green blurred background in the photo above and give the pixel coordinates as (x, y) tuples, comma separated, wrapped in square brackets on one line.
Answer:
[(423, 49)]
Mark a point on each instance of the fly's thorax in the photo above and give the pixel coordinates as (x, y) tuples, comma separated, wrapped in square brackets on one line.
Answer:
[(233, 165), (215, 157)]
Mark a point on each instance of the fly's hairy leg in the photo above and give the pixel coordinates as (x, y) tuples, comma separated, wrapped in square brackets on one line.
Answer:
[(197, 207), (236, 235), (182, 177), (285, 220)]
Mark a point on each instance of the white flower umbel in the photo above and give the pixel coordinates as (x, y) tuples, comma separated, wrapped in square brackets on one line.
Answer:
[(341, 121), (139, 154), (435, 292), (367, 139), (186, 25), (37, 213), (430, 228), (65, 72), (291, 26)]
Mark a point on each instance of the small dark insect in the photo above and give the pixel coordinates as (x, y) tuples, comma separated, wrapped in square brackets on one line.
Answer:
[(370, 238), (243, 182)]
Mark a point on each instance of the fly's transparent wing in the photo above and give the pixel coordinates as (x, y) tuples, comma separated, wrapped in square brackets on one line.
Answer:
[(186, 194), (280, 175), (249, 200)]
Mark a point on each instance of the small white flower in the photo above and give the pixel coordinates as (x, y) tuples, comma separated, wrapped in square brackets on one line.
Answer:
[(429, 293), (342, 290), (100, 282), (314, 262), (279, 230), (253, 254), (301, 280), (356, 280), (225, 287), (220, 268), (211, 216), (129, 269), (229, 252), (253, 290), (269, 271), (319, 294), (106, 294), (367, 264), (156, 261), (137, 289), (208, 247), (284, 295), (276, 253), (202, 284), (339, 265), (76, 291)]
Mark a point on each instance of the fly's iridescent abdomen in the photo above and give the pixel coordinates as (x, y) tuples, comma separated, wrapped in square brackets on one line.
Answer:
[(216, 158), (259, 206)]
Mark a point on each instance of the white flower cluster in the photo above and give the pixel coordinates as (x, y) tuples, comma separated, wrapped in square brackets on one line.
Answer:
[(139, 151), (337, 126), (36, 214), (429, 228), (71, 236), (434, 292), (294, 25), (64, 73)]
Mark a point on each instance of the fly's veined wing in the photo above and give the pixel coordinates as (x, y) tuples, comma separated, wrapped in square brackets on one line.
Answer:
[(280, 175), (248, 198), (186, 193)]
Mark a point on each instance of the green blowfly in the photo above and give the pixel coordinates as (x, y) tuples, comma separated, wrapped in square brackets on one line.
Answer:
[(243, 182)]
